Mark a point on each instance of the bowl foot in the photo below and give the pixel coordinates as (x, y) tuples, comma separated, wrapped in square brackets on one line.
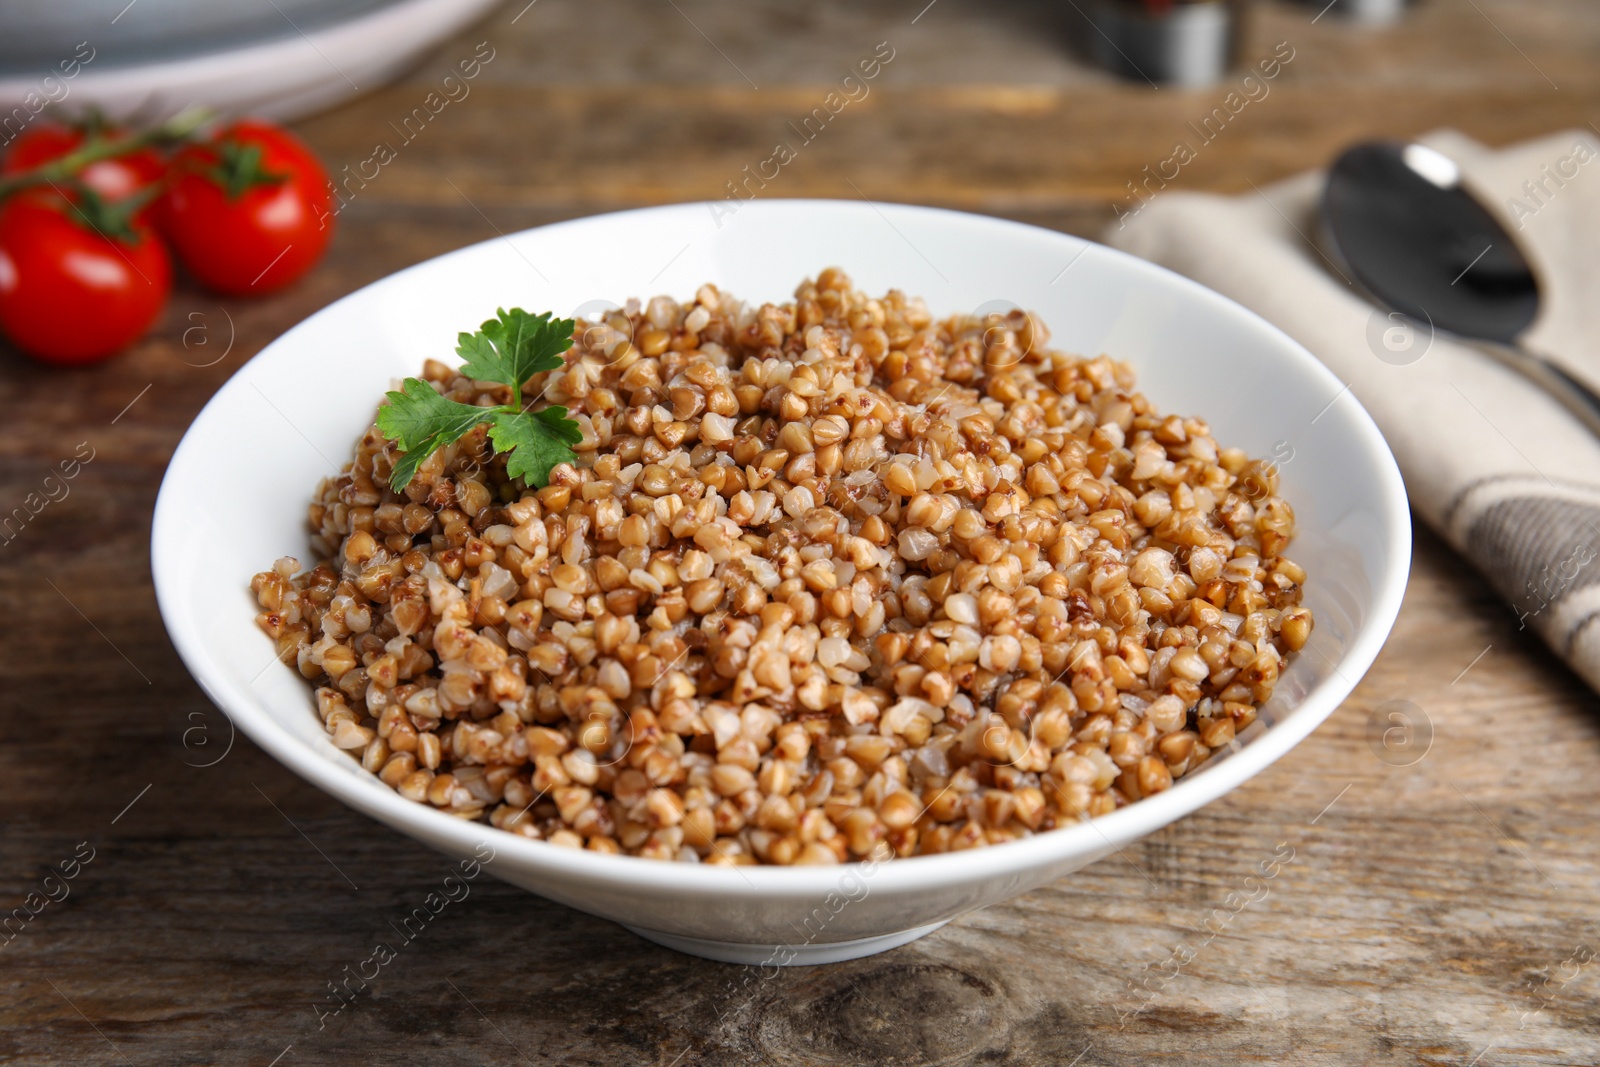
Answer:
[(785, 955)]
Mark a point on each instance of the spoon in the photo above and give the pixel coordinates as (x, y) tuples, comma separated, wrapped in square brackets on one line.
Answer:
[(1398, 218)]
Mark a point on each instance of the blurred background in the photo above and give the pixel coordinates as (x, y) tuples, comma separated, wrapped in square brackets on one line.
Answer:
[(1007, 108)]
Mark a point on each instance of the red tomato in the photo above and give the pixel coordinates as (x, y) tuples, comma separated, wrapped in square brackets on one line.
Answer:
[(115, 179), (69, 295), (260, 235)]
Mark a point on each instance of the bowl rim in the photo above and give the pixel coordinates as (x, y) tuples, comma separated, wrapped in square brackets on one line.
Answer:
[(1101, 835)]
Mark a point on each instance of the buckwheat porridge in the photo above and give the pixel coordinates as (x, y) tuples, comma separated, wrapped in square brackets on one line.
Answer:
[(801, 582)]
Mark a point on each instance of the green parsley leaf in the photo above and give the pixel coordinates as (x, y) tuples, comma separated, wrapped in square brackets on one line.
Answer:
[(407, 463), (513, 347), (536, 441), (419, 413), (421, 421), (508, 349)]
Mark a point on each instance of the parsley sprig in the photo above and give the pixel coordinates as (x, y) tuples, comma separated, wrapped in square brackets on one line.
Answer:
[(509, 349)]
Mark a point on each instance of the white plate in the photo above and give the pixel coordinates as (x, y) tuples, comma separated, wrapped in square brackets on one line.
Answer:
[(232, 59), (234, 500)]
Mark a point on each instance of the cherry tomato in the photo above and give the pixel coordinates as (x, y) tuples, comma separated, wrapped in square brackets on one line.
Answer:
[(68, 294), (115, 179), (248, 212)]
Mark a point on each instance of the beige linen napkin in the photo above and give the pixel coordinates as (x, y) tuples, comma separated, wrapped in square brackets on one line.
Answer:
[(1493, 464)]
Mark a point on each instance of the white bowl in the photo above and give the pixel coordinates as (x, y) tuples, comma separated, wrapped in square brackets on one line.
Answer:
[(234, 500)]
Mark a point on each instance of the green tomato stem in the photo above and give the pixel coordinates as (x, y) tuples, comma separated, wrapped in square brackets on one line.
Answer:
[(178, 128)]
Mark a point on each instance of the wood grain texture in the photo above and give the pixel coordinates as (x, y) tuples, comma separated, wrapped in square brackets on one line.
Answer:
[(1443, 912)]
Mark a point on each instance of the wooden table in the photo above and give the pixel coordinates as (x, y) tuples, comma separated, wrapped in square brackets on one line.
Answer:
[(1441, 911)]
